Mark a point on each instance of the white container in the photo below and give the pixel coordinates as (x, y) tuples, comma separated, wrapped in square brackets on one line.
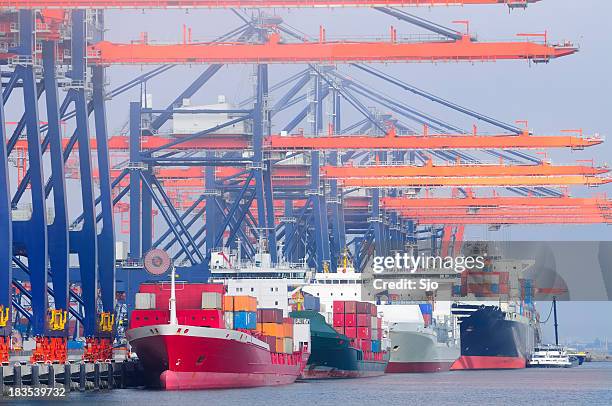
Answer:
[(212, 300), (228, 317), (287, 345), (145, 301), (374, 323)]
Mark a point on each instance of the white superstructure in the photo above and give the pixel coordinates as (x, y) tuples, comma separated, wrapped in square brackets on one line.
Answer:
[(549, 356)]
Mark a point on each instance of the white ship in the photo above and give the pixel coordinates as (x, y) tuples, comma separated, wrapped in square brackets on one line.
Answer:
[(549, 356)]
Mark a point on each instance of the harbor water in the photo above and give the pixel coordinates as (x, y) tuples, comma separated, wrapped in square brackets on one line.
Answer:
[(589, 384)]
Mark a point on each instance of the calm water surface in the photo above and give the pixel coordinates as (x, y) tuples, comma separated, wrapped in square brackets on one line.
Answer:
[(588, 384)]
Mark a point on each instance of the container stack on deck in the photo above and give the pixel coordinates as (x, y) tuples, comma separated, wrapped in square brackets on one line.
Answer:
[(207, 305), (359, 322), (275, 330)]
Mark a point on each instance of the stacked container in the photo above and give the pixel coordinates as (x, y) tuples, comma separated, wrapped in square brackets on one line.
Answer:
[(358, 321), (240, 312), (275, 330)]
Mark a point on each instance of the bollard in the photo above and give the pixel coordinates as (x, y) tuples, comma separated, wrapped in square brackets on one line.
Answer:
[(51, 377), (67, 377), (82, 377), (111, 377), (96, 381), (35, 375), (17, 384)]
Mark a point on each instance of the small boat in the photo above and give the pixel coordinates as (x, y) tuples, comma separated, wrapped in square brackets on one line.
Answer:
[(550, 356)]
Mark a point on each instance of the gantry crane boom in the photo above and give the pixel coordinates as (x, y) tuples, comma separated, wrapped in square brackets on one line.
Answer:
[(356, 142), (209, 4), (431, 141), (484, 181), (497, 201), (390, 171), (275, 51)]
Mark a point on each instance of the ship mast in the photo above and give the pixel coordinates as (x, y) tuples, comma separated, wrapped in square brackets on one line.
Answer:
[(172, 301), (556, 323)]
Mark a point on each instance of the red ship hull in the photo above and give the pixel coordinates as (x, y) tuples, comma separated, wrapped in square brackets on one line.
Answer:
[(488, 362), (179, 357), (412, 367)]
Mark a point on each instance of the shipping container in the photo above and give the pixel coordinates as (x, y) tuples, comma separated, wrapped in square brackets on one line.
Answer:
[(350, 306), (145, 301), (339, 329), (338, 306), (229, 320), (273, 329), (228, 303), (288, 327), (379, 323), (350, 320), (188, 295), (362, 307), (364, 332), (364, 344), (338, 319), (212, 300), (245, 320), (245, 304), (363, 320), (312, 303), (376, 346), (350, 332), (280, 344), (288, 345), (269, 315), (374, 310)]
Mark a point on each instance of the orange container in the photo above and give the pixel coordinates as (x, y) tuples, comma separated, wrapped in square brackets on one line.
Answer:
[(260, 327), (228, 303), (272, 329), (279, 344), (288, 329), (245, 304)]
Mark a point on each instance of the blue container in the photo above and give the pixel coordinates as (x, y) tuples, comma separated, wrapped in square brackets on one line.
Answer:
[(376, 345), (456, 290), (75, 345), (312, 303), (494, 288), (245, 320)]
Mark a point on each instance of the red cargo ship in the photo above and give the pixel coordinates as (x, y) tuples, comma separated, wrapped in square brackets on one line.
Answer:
[(192, 349)]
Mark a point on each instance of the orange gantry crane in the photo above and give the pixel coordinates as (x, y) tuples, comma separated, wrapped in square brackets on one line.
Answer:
[(276, 51), (432, 141), (496, 201), (461, 170), (209, 4), (483, 181), (391, 141)]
